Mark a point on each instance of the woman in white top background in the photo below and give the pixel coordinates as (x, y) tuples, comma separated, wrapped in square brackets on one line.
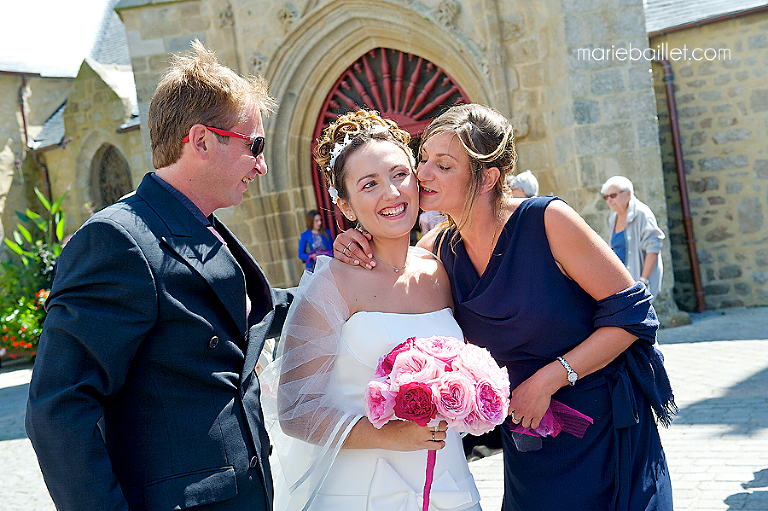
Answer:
[(635, 235)]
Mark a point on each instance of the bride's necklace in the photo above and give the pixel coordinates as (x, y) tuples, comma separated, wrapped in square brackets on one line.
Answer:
[(397, 270)]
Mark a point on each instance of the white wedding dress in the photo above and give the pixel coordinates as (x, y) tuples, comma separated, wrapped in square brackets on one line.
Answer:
[(318, 475)]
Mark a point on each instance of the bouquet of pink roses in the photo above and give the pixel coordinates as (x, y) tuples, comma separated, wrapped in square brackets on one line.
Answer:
[(438, 378)]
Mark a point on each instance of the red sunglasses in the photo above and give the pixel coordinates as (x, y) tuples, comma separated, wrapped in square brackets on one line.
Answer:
[(257, 143)]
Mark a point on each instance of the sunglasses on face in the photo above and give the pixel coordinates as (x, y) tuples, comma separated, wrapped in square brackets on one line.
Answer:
[(612, 195), (257, 143)]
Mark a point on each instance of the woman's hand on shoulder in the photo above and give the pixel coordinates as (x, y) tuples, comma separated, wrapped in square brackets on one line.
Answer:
[(582, 254), (351, 247)]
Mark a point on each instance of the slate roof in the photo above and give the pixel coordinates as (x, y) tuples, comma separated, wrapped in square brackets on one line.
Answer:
[(665, 14), (52, 132)]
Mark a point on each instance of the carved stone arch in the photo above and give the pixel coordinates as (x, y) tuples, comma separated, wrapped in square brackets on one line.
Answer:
[(110, 177), (322, 46)]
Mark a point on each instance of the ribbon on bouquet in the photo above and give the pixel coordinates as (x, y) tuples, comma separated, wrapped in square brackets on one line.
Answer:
[(558, 418), (431, 457)]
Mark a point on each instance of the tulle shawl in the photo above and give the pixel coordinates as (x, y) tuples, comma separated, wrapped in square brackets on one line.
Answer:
[(306, 425)]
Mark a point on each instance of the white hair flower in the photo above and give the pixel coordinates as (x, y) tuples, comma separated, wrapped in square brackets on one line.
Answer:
[(334, 193)]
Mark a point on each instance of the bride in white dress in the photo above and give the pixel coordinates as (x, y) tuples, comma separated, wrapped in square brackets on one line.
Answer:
[(327, 456)]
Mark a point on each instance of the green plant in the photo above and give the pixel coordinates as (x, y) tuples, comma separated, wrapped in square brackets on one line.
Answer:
[(25, 279)]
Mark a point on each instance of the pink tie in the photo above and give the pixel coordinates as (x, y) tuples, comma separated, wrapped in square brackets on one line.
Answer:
[(247, 298)]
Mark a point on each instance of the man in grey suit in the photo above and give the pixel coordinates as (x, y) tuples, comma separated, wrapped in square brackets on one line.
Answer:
[(144, 395)]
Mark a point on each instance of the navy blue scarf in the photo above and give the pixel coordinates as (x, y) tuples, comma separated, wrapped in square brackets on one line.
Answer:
[(631, 310)]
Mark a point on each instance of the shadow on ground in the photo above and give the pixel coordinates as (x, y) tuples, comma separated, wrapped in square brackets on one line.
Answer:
[(13, 403), (743, 407), (753, 500)]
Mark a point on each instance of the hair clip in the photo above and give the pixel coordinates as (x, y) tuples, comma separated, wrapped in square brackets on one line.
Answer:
[(337, 149), (334, 193)]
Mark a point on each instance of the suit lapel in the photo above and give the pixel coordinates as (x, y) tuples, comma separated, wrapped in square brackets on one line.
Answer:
[(262, 303), (199, 248), (208, 257)]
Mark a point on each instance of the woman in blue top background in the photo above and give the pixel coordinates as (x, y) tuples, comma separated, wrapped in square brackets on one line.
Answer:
[(537, 287), (315, 240)]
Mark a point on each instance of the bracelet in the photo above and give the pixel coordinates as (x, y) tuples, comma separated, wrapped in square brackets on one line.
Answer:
[(645, 281)]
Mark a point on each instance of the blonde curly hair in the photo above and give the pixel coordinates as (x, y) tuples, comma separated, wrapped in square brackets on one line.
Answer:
[(361, 127)]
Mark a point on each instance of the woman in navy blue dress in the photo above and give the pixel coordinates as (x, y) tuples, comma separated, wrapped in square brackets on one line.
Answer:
[(534, 284)]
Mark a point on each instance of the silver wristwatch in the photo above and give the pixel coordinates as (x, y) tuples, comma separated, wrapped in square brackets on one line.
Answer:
[(572, 376)]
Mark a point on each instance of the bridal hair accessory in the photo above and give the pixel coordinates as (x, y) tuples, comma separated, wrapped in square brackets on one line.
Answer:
[(334, 193), (338, 147)]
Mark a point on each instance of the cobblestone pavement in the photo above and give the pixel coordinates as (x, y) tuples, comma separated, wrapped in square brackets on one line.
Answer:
[(717, 447)]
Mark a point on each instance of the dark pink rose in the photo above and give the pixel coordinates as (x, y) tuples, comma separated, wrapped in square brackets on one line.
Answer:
[(414, 403), (386, 363)]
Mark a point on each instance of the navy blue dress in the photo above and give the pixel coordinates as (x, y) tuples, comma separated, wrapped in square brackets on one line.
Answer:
[(526, 313)]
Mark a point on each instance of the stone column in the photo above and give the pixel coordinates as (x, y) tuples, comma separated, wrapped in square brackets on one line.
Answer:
[(604, 118)]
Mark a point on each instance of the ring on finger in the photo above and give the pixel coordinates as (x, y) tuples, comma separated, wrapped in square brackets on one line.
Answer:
[(348, 244), (433, 436), (513, 417)]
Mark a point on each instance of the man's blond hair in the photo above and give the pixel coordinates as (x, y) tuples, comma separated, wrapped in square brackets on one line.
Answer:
[(197, 89)]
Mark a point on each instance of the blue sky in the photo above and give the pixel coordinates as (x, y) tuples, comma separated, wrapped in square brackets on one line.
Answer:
[(48, 36)]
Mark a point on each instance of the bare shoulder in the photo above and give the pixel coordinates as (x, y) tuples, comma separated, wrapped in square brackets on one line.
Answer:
[(561, 219), (428, 240), (349, 279), (430, 272)]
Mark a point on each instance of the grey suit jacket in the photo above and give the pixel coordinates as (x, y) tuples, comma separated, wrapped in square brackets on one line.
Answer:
[(143, 394)]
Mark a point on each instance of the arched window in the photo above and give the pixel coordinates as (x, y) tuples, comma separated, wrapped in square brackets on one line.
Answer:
[(110, 177), (401, 86)]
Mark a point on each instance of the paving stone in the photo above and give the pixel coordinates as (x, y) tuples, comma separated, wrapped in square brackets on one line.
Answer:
[(717, 447)]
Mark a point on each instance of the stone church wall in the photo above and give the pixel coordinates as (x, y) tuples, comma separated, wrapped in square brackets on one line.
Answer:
[(722, 105), (578, 122)]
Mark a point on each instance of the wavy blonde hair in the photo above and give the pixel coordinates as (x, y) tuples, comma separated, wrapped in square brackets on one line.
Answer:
[(488, 139), (361, 126)]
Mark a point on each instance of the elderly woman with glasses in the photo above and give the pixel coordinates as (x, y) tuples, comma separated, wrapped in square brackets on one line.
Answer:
[(635, 236)]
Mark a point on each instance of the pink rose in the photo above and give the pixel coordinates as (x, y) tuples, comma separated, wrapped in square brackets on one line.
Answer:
[(379, 403), (413, 366), (479, 363), (455, 394), (492, 404), (475, 425), (414, 403), (386, 363), (442, 348)]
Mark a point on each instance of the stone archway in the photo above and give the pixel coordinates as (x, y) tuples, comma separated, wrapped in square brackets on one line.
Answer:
[(403, 87), (305, 68), (320, 48), (110, 177)]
